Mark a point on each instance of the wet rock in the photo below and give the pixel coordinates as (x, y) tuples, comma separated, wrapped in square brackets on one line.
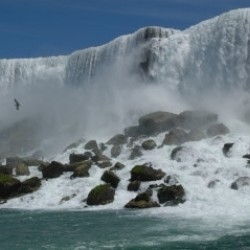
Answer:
[(91, 145), (149, 145), (226, 148), (28, 161), (101, 195), (111, 178), (184, 154), (134, 186), (6, 170), (117, 166), (53, 170), (99, 157), (171, 195), (73, 166), (115, 151), (217, 129), (73, 158), (157, 122), (212, 183), (196, 119), (104, 164), (30, 185), (82, 170), (195, 135), (102, 146), (171, 180), (135, 153), (133, 131), (118, 139), (8, 186), (146, 173), (22, 169), (176, 136), (142, 200), (74, 145), (241, 182)]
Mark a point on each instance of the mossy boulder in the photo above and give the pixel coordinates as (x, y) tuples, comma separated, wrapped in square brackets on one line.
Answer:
[(101, 195), (146, 173), (111, 178), (8, 186)]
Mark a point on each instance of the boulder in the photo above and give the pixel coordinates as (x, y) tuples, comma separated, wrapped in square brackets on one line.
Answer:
[(30, 185), (217, 129), (171, 180), (142, 200), (73, 158), (135, 153), (226, 148), (184, 154), (91, 145), (53, 170), (149, 144), (141, 204), (99, 157), (73, 166), (8, 186), (195, 134), (115, 151), (175, 137), (111, 178), (157, 122), (101, 195), (196, 119), (104, 164), (22, 169), (171, 195), (118, 139), (213, 183), (175, 153), (28, 161), (241, 182), (82, 170), (31, 161), (74, 145), (133, 131), (134, 186), (146, 173), (6, 170), (117, 166)]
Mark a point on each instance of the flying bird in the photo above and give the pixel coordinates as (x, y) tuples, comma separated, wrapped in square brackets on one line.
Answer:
[(17, 104)]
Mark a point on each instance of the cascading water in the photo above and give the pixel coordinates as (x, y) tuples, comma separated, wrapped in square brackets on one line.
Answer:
[(152, 69)]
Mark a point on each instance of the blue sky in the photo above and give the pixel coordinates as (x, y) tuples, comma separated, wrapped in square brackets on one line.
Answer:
[(31, 28)]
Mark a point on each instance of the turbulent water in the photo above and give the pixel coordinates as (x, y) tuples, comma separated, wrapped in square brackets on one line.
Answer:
[(97, 92)]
